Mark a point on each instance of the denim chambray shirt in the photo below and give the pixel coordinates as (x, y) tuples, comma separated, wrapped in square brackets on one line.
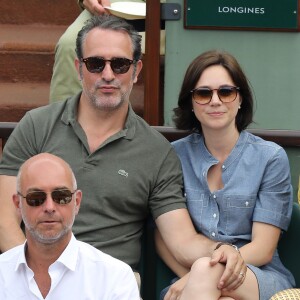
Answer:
[(257, 187)]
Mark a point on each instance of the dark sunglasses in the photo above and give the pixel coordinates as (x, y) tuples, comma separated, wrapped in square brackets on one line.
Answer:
[(119, 65), (226, 94), (37, 198)]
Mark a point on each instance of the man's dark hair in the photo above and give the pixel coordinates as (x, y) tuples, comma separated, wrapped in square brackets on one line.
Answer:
[(110, 22)]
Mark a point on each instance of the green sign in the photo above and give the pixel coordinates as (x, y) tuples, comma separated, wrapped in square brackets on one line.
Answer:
[(242, 14)]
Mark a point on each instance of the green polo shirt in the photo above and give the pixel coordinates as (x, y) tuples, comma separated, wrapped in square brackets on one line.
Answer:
[(136, 171)]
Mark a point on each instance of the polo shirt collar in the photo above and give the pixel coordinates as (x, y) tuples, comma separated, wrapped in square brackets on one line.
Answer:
[(130, 124), (69, 116)]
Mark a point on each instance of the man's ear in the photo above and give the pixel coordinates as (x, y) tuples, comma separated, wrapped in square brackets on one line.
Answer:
[(78, 200), (17, 202), (77, 66), (138, 68)]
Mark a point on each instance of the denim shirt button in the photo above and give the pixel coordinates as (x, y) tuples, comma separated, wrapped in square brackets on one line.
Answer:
[(213, 234), (214, 215), (203, 174), (223, 167), (214, 196)]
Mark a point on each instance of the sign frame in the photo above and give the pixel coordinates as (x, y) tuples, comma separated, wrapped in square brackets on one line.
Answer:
[(236, 22)]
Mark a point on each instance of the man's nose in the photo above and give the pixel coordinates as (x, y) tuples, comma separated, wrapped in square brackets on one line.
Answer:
[(49, 204), (107, 73)]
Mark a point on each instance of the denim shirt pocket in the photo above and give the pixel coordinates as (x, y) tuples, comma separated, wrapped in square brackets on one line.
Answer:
[(196, 203), (238, 214)]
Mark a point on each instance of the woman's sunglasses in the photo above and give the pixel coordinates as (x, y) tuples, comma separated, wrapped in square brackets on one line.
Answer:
[(226, 94), (119, 65), (37, 198)]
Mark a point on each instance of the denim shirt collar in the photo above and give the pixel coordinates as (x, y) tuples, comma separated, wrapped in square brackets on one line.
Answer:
[(234, 154)]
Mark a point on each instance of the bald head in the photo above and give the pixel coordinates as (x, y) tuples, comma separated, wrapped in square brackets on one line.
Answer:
[(40, 165), (47, 199)]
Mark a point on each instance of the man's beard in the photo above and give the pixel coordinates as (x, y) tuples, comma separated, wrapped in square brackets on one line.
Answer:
[(42, 238)]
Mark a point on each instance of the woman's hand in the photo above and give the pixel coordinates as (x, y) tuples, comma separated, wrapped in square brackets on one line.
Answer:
[(176, 288), (235, 267), (96, 7)]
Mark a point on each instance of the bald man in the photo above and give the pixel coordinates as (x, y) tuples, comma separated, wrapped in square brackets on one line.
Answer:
[(52, 263)]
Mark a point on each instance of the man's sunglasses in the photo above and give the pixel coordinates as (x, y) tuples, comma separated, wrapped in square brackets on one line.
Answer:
[(119, 65), (37, 198), (226, 94)]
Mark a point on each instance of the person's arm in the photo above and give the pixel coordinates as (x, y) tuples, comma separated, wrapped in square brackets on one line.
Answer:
[(11, 234), (95, 7), (272, 211), (187, 246), (168, 257), (181, 238), (20, 145), (264, 242)]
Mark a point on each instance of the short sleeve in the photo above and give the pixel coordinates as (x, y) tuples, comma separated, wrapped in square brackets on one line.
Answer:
[(168, 192), (19, 147), (275, 196)]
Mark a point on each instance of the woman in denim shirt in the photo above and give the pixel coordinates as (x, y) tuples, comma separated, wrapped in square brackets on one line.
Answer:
[(237, 185)]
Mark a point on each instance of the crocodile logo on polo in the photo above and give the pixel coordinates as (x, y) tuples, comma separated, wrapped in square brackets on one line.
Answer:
[(123, 173)]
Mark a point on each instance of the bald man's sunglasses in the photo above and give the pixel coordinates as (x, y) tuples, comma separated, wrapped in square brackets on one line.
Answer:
[(119, 65), (37, 198)]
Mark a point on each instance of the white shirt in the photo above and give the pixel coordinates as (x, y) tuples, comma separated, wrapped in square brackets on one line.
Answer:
[(81, 273)]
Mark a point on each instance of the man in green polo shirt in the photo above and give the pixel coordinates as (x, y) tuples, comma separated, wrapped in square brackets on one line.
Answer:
[(124, 168)]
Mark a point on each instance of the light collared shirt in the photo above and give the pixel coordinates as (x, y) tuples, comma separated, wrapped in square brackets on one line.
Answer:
[(81, 272)]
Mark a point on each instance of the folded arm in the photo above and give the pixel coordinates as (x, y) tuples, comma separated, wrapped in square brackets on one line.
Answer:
[(168, 257), (186, 246), (180, 236)]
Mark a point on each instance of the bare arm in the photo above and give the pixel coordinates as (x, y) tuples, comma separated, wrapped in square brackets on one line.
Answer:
[(11, 234), (181, 238), (186, 246), (264, 242), (167, 256)]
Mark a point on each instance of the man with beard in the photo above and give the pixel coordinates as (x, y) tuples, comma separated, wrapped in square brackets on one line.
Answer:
[(125, 168), (52, 264), (64, 82)]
